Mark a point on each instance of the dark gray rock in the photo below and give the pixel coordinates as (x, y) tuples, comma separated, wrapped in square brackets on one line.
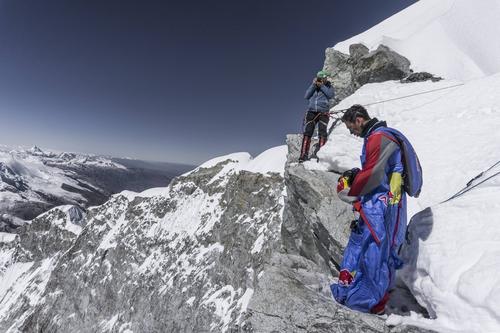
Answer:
[(357, 51), (421, 77), (315, 221), (381, 65), (349, 72), (341, 74), (293, 296)]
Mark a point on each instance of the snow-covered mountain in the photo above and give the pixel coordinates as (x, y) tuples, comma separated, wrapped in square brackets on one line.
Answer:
[(252, 244), (451, 38), (33, 181)]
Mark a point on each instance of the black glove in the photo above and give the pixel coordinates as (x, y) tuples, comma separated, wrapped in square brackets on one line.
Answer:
[(350, 175), (354, 225)]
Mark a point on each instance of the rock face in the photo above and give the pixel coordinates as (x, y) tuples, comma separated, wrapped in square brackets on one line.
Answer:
[(182, 260), (219, 250), (28, 258), (349, 72)]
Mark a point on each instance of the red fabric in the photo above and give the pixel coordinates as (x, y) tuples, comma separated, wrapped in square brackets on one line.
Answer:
[(345, 277), (372, 155), (357, 207), (304, 151), (322, 142), (379, 308)]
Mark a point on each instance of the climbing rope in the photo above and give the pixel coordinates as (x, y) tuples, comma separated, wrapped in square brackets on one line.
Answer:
[(468, 186), (401, 97), (337, 114)]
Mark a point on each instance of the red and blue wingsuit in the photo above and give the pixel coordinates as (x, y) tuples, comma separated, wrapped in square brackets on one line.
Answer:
[(367, 271)]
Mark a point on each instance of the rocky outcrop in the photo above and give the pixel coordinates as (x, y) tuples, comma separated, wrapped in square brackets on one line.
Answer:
[(185, 259), (293, 294), (421, 77), (349, 72), (315, 222), (219, 250)]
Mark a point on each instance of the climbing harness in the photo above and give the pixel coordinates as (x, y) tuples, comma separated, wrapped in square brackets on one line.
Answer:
[(312, 120)]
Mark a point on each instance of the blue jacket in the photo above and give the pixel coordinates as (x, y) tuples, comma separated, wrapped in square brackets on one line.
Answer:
[(319, 97)]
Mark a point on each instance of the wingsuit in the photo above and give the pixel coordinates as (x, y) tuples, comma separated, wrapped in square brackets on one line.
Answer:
[(367, 271)]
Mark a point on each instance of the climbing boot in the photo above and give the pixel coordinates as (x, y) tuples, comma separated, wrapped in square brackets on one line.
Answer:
[(322, 141), (304, 151)]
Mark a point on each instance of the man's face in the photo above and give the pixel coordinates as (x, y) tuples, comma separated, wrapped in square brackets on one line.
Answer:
[(355, 127)]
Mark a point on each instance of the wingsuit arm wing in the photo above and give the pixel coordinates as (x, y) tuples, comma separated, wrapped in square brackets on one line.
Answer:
[(378, 151)]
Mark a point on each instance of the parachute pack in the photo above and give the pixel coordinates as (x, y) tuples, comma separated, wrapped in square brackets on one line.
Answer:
[(412, 175)]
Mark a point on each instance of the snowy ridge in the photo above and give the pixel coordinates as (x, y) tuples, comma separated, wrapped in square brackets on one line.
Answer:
[(197, 244), (28, 258), (451, 38), (271, 160)]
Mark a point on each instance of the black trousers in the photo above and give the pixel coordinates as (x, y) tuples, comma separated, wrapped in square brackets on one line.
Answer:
[(313, 118)]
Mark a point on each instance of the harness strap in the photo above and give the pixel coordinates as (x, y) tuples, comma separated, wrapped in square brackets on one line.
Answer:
[(357, 207)]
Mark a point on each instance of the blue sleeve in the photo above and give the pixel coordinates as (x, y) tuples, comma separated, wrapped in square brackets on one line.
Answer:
[(310, 91), (328, 91)]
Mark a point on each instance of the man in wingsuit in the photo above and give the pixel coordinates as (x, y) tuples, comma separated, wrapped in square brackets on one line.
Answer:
[(368, 268)]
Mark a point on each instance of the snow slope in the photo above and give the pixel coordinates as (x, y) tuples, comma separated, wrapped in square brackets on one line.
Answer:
[(451, 38), (456, 274)]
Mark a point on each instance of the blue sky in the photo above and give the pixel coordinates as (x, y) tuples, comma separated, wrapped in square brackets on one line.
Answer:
[(162, 80)]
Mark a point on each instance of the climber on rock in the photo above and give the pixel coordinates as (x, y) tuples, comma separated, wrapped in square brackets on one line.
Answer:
[(319, 94), (367, 271)]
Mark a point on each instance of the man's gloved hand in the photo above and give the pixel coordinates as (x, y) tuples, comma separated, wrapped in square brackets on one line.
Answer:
[(345, 277), (342, 184), (354, 225), (343, 190), (350, 175)]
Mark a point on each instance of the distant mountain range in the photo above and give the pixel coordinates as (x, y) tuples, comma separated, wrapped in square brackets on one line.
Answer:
[(33, 180)]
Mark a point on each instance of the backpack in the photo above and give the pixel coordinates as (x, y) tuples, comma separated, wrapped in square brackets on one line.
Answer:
[(412, 174)]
